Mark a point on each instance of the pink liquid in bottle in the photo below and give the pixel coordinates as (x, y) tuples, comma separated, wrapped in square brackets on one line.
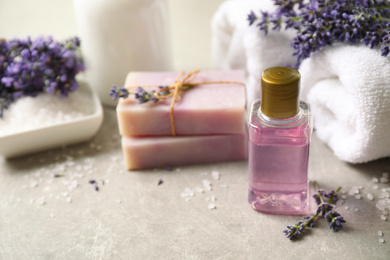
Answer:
[(278, 151)]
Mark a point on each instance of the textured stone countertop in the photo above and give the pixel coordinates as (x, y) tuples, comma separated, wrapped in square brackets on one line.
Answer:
[(132, 217)]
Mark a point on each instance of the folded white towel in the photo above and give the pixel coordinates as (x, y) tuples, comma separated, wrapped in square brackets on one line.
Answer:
[(348, 87), (236, 45)]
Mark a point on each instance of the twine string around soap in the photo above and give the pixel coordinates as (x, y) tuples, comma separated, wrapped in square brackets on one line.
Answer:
[(178, 86)]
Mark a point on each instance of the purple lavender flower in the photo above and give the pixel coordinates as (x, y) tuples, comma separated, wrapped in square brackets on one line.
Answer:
[(310, 221), (143, 96), (164, 90), (332, 197), (335, 220), (291, 231), (325, 209), (319, 23), (117, 93), (319, 196), (251, 18), (29, 67)]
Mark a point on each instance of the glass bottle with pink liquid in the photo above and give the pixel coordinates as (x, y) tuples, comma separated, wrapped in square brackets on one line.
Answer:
[(279, 133)]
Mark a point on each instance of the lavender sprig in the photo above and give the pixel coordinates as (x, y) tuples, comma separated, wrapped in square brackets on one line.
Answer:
[(319, 23), (29, 67), (325, 209), (141, 94)]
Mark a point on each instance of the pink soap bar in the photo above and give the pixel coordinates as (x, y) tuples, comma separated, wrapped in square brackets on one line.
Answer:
[(154, 152), (203, 110)]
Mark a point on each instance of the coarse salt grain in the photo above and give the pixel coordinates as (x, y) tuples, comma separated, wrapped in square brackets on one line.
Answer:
[(358, 197), (381, 240), (375, 180), (383, 217), (211, 206), (380, 233), (29, 113), (215, 175), (370, 196)]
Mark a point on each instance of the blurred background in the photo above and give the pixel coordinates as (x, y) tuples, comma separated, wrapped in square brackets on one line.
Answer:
[(189, 26)]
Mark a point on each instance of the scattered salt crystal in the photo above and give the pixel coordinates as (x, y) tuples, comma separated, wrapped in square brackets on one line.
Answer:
[(384, 180), (383, 217), (370, 196), (31, 201), (41, 200), (212, 198), (114, 158), (207, 199), (380, 233), (215, 175), (64, 194), (118, 201), (52, 215), (188, 199), (340, 202), (211, 206), (199, 190), (69, 199), (178, 169), (381, 240), (207, 185), (381, 205), (358, 197), (343, 197), (33, 184), (375, 179), (46, 189), (356, 210), (354, 190), (375, 187), (78, 168), (383, 189), (223, 185)]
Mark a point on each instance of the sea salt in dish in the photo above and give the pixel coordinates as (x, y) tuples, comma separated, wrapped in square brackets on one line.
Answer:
[(48, 121)]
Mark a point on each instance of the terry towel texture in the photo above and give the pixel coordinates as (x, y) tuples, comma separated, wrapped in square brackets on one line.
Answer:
[(236, 45), (347, 86)]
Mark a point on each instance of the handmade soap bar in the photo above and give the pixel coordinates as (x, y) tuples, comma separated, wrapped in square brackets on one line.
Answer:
[(203, 110), (153, 152)]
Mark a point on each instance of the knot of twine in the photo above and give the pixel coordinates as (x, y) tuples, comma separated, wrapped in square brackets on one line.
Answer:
[(178, 86)]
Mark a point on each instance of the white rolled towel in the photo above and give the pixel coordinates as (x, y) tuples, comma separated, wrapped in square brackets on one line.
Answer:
[(236, 45), (348, 87)]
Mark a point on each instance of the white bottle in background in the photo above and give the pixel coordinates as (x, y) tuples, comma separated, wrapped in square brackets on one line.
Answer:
[(119, 36)]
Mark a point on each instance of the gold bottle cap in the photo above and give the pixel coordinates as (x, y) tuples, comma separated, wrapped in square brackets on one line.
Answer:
[(279, 92)]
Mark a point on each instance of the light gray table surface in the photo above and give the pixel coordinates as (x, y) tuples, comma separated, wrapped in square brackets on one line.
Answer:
[(131, 217)]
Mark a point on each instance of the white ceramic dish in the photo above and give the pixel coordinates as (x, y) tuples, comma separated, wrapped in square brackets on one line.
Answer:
[(55, 135)]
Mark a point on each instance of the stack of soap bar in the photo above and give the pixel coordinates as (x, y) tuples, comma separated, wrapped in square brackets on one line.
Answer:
[(209, 122)]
